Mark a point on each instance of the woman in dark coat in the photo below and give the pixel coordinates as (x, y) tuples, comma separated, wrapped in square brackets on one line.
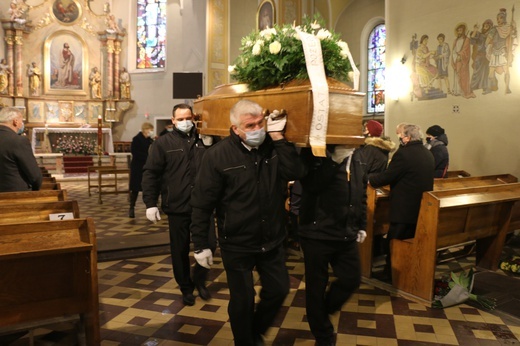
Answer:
[(140, 145)]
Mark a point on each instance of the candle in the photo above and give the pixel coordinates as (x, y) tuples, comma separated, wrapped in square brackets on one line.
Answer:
[(99, 131)]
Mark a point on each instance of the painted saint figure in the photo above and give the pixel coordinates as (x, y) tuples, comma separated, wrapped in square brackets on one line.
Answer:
[(500, 46), (125, 84), (442, 59), (425, 70), (479, 79), (95, 83), (66, 71), (34, 74), (460, 57)]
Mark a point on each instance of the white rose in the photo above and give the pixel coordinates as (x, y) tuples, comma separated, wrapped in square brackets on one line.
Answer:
[(260, 42), (249, 43), (315, 25), (256, 49), (275, 47), (231, 68), (323, 34)]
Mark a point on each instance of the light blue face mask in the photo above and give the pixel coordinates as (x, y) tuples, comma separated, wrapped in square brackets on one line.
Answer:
[(185, 125), (22, 129), (255, 138)]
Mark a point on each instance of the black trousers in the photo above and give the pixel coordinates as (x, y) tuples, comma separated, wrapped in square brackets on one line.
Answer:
[(246, 322), (343, 257), (179, 225)]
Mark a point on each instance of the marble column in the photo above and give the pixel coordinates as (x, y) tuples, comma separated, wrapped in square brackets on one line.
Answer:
[(117, 68), (9, 39), (18, 63)]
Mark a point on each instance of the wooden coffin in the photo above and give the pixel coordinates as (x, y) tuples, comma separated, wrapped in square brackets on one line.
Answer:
[(345, 110)]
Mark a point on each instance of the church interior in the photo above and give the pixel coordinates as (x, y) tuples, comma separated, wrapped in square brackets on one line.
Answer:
[(94, 71)]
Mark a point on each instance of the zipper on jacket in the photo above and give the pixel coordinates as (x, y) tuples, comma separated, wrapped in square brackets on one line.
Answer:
[(236, 167), (171, 151)]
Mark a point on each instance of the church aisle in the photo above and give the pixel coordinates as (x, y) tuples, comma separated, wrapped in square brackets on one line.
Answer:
[(141, 304)]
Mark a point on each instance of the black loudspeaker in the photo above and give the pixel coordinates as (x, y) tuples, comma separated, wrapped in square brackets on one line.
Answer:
[(187, 85)]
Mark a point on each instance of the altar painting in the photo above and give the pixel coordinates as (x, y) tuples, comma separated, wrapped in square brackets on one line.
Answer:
[(80, 113), (52, 113), (66, 60), (95, 110)]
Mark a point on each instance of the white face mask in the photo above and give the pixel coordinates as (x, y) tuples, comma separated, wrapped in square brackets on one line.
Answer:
[(150, 133), (185, 125), (255, 138)]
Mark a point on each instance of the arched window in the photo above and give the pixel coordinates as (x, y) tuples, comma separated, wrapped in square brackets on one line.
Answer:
[(151, 34), (376, 70)]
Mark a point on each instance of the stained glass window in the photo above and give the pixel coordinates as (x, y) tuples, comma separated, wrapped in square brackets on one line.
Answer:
[(151, 34), (376, 70)]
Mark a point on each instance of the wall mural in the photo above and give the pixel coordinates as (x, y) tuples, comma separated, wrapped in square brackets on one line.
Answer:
[(464, 61)]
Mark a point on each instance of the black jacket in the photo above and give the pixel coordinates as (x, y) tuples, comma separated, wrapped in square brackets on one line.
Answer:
[(375, 153), (333, 205), (439, 150), (409, 174), (170, 170), (19, 170), (139, 149), (248, 191)]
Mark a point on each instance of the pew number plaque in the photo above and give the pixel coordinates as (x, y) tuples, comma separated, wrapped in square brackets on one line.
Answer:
[(61, 216)]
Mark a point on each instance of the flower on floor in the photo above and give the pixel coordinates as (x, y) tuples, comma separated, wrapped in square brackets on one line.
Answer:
[(511, 264), (75, 145), (458, 290)]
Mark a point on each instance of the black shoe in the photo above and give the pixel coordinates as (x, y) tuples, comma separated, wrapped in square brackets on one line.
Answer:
[(203, 292), (131, 213), (188, 299)]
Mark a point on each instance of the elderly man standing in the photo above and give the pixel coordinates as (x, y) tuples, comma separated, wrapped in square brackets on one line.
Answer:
[(19, 170), (244, 177), (409, 174)]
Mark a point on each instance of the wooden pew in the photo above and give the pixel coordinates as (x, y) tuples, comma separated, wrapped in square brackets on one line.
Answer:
[(49, 270), (457, 174), (448, 218), (40, 211), (49, 180), (378, 209), (24, 197), (50, 186), (48, 175)]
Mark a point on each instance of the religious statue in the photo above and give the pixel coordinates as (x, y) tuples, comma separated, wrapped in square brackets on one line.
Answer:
[(125, 84), (34, 74), (16, 12), (110, 21), (5, 71), (95, 83)]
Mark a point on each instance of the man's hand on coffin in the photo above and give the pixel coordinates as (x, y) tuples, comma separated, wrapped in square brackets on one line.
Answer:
[(276, 122), (361, 235)]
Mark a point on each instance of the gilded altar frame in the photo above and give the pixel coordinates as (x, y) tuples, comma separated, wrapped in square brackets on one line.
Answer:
[(66, 64), (266, 15)]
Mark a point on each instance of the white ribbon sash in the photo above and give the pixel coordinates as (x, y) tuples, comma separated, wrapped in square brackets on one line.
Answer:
[(320, 93)]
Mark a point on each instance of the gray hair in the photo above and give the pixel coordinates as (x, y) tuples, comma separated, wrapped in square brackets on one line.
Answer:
[(399, 128), (8, 114), (244, 107), (413, 131)]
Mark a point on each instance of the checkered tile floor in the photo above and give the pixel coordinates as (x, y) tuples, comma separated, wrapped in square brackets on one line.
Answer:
[(141, 304)]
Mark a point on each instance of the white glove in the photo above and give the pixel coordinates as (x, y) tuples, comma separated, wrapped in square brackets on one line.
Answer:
[(361, 235), (153, 214), (204, 258), (276, 124)]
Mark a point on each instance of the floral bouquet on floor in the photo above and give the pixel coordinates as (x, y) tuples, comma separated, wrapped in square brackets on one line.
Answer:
[(512, 265), (457, 290)]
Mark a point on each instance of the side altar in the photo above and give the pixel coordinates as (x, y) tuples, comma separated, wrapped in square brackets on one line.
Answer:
[(55, 140)]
